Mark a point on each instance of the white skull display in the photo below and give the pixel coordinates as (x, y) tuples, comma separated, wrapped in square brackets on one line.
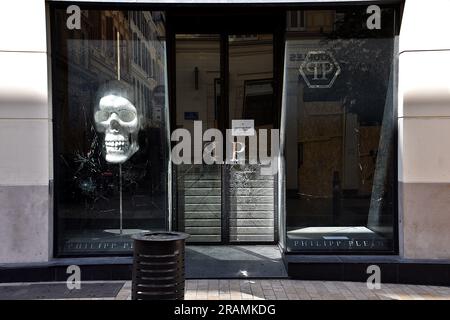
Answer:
[(117, 118)]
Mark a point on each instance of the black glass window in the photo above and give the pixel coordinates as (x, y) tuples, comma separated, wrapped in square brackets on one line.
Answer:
[(110, 129), (338, 132)]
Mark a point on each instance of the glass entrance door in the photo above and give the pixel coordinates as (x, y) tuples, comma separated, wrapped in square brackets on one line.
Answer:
[(198, 186), (220, 78), (250, 196)]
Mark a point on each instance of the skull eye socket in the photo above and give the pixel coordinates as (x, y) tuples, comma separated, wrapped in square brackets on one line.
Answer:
[(126, 115), (101, 116)]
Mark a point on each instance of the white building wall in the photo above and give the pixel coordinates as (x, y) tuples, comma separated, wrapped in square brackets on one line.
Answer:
[(25, 126), (424, 129)]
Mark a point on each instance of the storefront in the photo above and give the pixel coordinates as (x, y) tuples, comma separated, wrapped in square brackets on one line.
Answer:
[(142, 92), (312, 73)]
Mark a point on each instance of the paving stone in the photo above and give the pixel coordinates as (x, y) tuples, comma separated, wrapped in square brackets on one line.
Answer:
[(223, 289)]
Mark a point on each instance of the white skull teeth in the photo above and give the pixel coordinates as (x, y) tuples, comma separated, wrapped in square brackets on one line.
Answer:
[(120, 145)]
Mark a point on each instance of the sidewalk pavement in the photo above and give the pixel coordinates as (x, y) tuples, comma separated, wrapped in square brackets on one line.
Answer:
[(214, 289)]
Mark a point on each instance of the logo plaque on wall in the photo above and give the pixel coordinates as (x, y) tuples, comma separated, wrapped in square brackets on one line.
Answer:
[(319, 69)]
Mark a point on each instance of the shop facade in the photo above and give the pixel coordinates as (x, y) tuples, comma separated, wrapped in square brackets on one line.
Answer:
[(140, 114)]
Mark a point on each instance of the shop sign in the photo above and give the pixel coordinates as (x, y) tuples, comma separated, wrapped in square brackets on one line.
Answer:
[(319, 69), (243, 127)]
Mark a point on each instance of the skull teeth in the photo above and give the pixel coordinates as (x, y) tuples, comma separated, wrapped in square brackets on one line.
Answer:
[(116, 146), (115, 143)]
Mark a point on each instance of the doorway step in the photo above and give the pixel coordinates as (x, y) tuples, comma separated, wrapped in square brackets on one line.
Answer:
[(234, 262)]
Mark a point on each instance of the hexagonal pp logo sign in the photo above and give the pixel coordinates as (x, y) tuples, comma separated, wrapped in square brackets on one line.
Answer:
[(319, 69)]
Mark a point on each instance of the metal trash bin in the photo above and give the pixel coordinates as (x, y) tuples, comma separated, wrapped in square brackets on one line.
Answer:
[(158, 266)]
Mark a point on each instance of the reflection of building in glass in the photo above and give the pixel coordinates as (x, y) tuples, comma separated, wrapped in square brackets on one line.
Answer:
[(90, 57), (325, 127), (148, 57), (311, 21), (103, 171), (334, 132), (92, 53)]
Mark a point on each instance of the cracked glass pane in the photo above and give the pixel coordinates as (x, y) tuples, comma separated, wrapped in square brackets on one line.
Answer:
[(111, 124)]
